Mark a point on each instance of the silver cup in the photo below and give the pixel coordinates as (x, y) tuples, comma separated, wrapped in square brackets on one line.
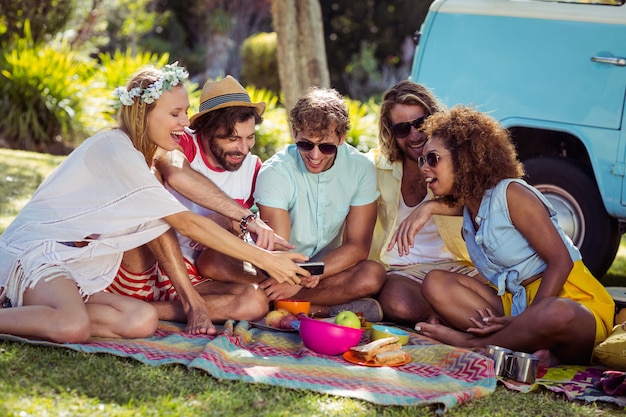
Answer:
[(500, 357), (522, 367)]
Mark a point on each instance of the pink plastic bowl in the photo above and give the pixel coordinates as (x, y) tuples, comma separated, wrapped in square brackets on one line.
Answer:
[(328, 338)]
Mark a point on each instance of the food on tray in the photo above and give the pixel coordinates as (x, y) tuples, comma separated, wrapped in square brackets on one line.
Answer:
[(390, 357), (280, 319), (371, 351)]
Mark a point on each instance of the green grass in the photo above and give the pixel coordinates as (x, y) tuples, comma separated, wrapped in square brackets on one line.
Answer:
[(45, 381)]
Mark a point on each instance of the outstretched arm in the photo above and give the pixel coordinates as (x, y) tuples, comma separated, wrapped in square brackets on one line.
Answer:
[(278, 265), (405, 234), (178, 173)]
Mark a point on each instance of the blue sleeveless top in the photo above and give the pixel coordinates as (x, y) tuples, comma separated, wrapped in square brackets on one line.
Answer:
[(499, 251)]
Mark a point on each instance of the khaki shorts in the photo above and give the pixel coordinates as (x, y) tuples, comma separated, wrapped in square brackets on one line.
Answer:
[(417, 272)]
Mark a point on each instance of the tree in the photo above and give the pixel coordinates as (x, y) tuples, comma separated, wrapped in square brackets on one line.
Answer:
[(46, 17), (218, 28), (301, 51), (369, 43)]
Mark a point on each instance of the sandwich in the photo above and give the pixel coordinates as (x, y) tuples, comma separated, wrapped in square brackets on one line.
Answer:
[(390, 357), (384, 351)]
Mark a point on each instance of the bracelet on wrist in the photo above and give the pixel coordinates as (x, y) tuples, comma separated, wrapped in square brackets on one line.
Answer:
[(243, 223)]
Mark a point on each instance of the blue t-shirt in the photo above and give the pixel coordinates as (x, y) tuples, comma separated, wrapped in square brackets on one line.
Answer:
[(317, 203), (499, 251)]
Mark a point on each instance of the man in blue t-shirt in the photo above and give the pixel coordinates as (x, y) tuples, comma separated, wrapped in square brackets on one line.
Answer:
[(320, 194)]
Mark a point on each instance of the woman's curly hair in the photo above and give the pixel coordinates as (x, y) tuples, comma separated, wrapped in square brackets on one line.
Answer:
[(481, 150), (408, 93), (322, 110)]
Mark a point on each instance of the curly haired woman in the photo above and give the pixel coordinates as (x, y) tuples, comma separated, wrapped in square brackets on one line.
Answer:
[(534, 293)]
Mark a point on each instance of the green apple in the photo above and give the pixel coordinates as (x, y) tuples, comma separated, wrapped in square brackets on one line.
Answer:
[(349, 319)]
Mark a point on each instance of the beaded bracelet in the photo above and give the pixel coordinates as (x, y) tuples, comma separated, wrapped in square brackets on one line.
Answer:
[(243, 224)]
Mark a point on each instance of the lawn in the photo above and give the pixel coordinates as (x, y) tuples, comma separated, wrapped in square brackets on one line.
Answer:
[(43, 381)]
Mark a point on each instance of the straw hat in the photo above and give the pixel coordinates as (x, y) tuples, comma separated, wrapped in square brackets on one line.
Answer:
[(226, 92)]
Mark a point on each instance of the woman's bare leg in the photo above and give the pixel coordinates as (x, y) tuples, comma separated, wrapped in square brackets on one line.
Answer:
[(52, 310), (562, 326), (457, 297), (114, 315)]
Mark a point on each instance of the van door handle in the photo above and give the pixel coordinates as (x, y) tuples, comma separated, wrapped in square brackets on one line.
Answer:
[(620, 62)]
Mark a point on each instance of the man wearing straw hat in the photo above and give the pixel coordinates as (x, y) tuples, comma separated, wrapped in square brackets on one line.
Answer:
[(320, 192), (212, 174)]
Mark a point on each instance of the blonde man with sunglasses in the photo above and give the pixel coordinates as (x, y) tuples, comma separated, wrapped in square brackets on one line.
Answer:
[(438, 245), (320, 194)]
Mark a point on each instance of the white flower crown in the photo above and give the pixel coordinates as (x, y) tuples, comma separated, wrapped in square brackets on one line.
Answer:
[(172, 76)]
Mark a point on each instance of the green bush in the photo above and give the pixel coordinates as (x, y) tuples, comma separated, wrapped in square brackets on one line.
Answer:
[(259, 63), (273, 133), (41, 92), (363, 133)]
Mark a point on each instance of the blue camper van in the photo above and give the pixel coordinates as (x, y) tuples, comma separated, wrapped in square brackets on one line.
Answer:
[(554, 74)]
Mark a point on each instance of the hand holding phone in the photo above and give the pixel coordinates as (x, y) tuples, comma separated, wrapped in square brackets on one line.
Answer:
[(315, 268)]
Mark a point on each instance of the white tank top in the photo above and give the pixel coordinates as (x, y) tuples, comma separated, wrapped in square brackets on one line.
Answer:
[(428, 244)]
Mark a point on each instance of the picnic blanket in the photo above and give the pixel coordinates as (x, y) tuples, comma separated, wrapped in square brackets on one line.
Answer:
[(438, 374), (576, 382)]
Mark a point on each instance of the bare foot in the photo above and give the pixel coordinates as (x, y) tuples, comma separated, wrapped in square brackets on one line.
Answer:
[(546, 358), (448, 335)]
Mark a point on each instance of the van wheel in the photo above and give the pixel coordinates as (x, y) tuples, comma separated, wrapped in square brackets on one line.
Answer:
[(574, 195)]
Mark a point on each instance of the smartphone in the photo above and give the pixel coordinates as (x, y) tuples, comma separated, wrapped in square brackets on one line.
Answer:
[(315, 268)]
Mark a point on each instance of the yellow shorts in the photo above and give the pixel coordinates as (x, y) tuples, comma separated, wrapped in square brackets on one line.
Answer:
[(583, 288)]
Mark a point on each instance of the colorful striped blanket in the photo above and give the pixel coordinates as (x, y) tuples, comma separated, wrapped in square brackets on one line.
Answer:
[(575, 382), (438, 374)]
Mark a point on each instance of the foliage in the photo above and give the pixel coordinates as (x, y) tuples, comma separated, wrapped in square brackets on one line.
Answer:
[(273, 133), (42, 92), (127, 23), (363, 133), (365, 77), (217, 28), (382, 26), (259, 61), (46, 17)]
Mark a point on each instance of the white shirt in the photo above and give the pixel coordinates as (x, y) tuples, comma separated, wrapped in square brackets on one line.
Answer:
[(103, 193), (238, 185), (428, 245)]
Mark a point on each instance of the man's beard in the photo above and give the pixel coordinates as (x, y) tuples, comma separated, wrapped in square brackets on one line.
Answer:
[(221, 157)]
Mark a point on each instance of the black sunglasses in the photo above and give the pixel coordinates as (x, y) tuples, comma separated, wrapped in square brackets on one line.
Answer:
[(325, 148), (430, 158), (403, 129)]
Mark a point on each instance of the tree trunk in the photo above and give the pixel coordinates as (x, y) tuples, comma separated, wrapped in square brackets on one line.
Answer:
[(301, 51)]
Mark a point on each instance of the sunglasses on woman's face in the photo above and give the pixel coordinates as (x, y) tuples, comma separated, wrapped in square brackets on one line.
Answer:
[(430, 158), (325, 148), (403, 129)]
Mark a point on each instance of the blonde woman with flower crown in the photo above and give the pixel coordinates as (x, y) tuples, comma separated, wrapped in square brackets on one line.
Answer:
[(66, 245)]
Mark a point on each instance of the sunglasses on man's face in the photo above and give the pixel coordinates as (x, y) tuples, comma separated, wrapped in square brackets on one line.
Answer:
[(403, 129), (430, 158), (325, 148)]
